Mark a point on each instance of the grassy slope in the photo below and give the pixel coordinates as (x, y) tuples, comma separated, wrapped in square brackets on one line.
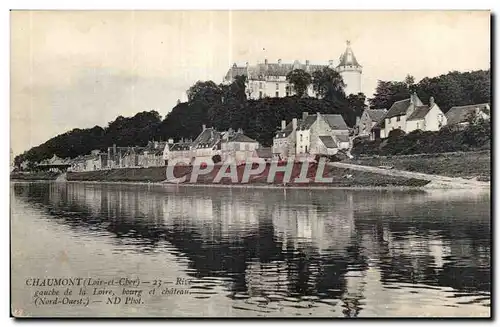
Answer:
[(457, 164)]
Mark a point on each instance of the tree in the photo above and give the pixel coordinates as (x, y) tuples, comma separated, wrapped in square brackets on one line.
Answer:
[(225, 106), (387, 93), (236, 90), (327, 83), (356, 103), (300, 81), (410, 83), (205, 92)]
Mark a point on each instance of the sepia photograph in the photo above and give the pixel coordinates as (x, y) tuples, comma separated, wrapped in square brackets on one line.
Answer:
[(250, 163)]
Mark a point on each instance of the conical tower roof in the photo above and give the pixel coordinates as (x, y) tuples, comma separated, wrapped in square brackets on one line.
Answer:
[(348, 58)]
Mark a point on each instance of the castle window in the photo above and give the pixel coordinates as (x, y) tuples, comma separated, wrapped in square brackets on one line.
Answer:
[(260, 94), (277, 86), (300, 137), (261, 84), (398, 118), (277, 94)]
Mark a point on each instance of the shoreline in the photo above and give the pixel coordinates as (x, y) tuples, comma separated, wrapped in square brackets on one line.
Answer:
[(278, 187)]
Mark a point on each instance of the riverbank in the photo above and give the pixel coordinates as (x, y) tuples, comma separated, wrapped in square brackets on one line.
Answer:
[(34, 176), (340, 177), (468, 165)]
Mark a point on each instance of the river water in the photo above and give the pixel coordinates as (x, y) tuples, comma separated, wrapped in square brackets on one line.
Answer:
[(256, 252)]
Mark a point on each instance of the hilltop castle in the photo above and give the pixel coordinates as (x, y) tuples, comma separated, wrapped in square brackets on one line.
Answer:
[(269, 79)]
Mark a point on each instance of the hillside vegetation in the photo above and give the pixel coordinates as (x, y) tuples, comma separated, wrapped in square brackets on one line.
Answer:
[(224, 106)]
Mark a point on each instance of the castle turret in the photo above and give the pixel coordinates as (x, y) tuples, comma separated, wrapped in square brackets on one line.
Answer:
[(350, 70)]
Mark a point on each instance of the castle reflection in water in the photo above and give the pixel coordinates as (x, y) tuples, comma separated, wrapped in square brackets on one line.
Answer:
[(334, 244)]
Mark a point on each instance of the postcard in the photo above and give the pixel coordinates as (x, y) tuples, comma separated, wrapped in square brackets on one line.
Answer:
[(306, 164)]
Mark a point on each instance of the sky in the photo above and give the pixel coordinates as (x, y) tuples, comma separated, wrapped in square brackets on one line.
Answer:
[(78, 69)]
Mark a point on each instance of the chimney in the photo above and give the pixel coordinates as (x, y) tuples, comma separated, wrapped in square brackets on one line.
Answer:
[(265, 61), (283, 124), (279, 61), (330, 62), (307, 62), (431, 102), (413, 97), (240, 130), (294, 123), (170, 141), (203, 127), (304, 115), (246, 64)]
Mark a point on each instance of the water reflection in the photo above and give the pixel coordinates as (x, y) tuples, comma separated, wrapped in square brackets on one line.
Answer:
[(294, 248)]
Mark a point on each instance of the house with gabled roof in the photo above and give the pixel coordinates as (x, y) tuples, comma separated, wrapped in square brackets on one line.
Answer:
[(230, 145), (207, 144), (409, 115), (284, 140), (368, 120), (179, 150), (462, 115), (152, 155), (78, 164), (96, 160), (238, 147), (300, 138), (327, 145)]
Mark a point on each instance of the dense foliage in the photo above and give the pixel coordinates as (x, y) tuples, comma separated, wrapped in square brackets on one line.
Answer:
[(476, 136), (299, 79), (123, 131), (448, 90), (225, 106)]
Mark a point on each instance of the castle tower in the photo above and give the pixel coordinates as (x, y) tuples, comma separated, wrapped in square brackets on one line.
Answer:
[(350, 70)]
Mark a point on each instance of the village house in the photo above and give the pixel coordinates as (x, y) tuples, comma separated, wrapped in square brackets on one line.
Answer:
[(409, 115), (265, 153), (368, 120), (300, 139), (152, 155), (78, 164), (206, 145), (327, 145), (236, 146), (462, 115), (284, 140), (116, 156), (131, 157), (229, 145), (54, 164), (96, 161), (180, 150)]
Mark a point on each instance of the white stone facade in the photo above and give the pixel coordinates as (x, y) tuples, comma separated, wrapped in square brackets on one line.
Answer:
[(269, 79)]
